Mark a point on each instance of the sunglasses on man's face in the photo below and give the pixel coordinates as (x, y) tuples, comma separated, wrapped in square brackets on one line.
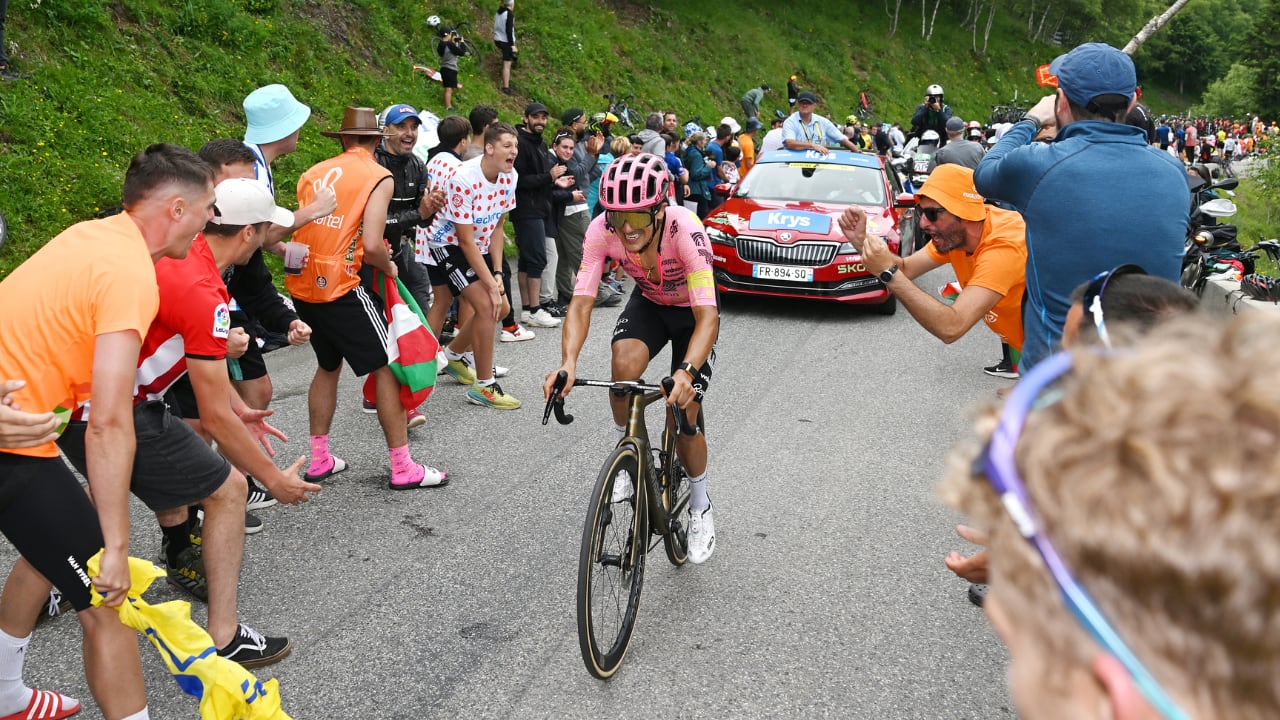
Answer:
[(932, 213), (637, 219)]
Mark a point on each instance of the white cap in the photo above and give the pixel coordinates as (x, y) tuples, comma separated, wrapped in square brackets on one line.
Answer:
[(244, 201), (733, 124)]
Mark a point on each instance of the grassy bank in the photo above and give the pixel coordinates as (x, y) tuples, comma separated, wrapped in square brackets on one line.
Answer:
[(110, 78)]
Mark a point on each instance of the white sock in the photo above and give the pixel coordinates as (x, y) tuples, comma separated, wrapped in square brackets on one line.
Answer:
[(14, 695), (698, 498), (140, 715), (485, 383), (451, 355), (619, 432)]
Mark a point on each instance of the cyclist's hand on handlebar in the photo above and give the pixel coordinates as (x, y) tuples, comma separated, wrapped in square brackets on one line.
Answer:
[(682, 392), (551, 380)]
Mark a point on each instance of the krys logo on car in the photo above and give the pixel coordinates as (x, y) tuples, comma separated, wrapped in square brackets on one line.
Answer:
[(790, 220)]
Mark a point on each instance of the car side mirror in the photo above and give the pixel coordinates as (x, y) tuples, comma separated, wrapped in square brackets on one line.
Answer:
[(904, 200)]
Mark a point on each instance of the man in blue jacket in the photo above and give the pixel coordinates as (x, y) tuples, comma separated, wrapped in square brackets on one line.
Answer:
[(1094, 197)]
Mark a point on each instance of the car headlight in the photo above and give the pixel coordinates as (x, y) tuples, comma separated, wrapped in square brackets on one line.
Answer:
[(846, 248), (719, 237)]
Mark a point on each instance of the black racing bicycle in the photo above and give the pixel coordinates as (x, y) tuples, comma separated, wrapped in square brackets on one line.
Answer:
[(640, 495)]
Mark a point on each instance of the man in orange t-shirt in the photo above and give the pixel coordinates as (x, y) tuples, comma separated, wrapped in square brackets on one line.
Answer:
[(74, 316), (985, 245)]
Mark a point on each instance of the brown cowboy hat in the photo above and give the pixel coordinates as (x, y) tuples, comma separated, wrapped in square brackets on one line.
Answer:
[(358, 121)]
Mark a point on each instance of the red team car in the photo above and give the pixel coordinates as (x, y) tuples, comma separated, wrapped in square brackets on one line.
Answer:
[(777, 234)]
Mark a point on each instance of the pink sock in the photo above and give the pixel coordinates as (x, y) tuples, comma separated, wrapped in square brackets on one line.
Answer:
[(401, 461), (321, 460)]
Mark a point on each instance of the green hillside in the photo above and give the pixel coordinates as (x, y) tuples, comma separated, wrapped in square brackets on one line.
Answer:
[(110, 78)]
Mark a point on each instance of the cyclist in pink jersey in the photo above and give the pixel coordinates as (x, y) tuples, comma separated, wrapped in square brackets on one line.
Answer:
[(666, 250)]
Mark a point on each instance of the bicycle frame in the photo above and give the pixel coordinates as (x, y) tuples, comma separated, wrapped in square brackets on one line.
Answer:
[(642, 396)]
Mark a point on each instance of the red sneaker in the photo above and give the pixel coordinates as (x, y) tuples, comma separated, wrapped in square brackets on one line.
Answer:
[(415, 418)]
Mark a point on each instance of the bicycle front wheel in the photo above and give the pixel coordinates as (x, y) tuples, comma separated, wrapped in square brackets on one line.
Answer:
[(675, 500), (611, 564)]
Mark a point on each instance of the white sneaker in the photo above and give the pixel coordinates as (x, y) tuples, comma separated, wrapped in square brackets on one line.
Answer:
[(442, 362), (622, 487), (540, 318), (469, 358), (520, 334), (702, 535)]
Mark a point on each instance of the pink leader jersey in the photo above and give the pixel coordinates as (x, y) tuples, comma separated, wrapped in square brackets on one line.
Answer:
[(684, 261)]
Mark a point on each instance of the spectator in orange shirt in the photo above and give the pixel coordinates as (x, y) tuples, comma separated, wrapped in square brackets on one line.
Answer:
[(985, 245)]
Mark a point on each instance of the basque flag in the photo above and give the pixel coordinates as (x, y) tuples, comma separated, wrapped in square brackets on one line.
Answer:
[(411, 345)]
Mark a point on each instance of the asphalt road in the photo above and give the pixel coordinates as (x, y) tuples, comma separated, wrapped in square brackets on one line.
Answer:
[(826, 596)]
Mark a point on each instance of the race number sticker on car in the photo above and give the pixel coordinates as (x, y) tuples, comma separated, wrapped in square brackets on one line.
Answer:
[(782, 272)]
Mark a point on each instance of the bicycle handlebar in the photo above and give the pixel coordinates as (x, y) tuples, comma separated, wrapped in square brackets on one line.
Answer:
[(555, 403)]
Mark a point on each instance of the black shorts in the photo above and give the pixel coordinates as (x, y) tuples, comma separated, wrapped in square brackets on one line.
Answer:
[(249, 366), (48, 517), (449, 77), (654, 325), (508, 50), (181, 399), (452, 264), (531, 239), (172, 466), (437, 277), (351, 328)]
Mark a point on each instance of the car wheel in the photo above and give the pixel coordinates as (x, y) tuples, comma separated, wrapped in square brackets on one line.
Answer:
[(888, 307)]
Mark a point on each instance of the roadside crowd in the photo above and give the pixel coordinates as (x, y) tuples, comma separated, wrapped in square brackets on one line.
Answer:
[(1132, 565)]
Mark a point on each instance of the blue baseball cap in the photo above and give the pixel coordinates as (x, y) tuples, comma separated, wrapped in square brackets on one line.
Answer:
[(397, 114), (273, 114), (1094, 69)]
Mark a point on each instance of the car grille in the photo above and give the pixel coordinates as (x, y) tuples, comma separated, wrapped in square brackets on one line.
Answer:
[(803, 254)]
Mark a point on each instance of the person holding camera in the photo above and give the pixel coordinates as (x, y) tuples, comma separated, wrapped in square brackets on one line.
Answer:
[(932, 114), (452, 46)]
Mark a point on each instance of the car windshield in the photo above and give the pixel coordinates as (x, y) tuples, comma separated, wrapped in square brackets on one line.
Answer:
[(814, 182)]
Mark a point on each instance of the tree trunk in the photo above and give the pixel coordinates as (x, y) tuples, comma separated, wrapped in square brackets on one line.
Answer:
[(933, 19), (924, 16), (986, 35), (1031, 19), (893, 16), (1040, 30), (1152, 26)]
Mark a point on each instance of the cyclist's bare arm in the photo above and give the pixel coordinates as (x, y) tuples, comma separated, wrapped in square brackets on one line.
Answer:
[(706, 328), (577, 323)]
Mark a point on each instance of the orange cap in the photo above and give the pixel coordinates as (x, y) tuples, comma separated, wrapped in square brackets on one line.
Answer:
[(951, 186)]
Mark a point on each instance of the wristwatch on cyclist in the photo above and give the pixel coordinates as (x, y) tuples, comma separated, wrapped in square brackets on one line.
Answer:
[(694, 374), (887, 275)]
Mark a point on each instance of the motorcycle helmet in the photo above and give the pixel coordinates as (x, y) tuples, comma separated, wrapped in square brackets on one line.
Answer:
[(635, 182), (930, 136), (434, 21), (934, 90), (600, 122)]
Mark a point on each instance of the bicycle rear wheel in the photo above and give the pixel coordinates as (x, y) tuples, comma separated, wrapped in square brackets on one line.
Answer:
[(611, 564), (675, 500)]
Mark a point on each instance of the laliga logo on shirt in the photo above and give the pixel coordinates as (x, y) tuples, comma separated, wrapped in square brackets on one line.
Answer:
[(221, 321)]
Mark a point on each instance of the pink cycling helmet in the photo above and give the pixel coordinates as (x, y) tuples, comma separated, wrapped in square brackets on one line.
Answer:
[(635, 182)]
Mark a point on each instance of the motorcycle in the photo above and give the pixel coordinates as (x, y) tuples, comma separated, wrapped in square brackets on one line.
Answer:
[(915, 161), (1211, 246)]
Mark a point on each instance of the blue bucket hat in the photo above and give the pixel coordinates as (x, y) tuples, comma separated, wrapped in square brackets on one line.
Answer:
[(272, 114), (1094, 69)]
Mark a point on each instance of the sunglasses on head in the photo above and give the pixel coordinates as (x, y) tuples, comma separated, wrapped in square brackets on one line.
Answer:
[(996, 463), (1093, 296), (561, 136), (637, 219), (932, 213)]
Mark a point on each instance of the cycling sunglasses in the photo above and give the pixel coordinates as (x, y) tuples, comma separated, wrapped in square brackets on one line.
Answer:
[(996, 464), (638, 219), (932, 213), (1093, 296)]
